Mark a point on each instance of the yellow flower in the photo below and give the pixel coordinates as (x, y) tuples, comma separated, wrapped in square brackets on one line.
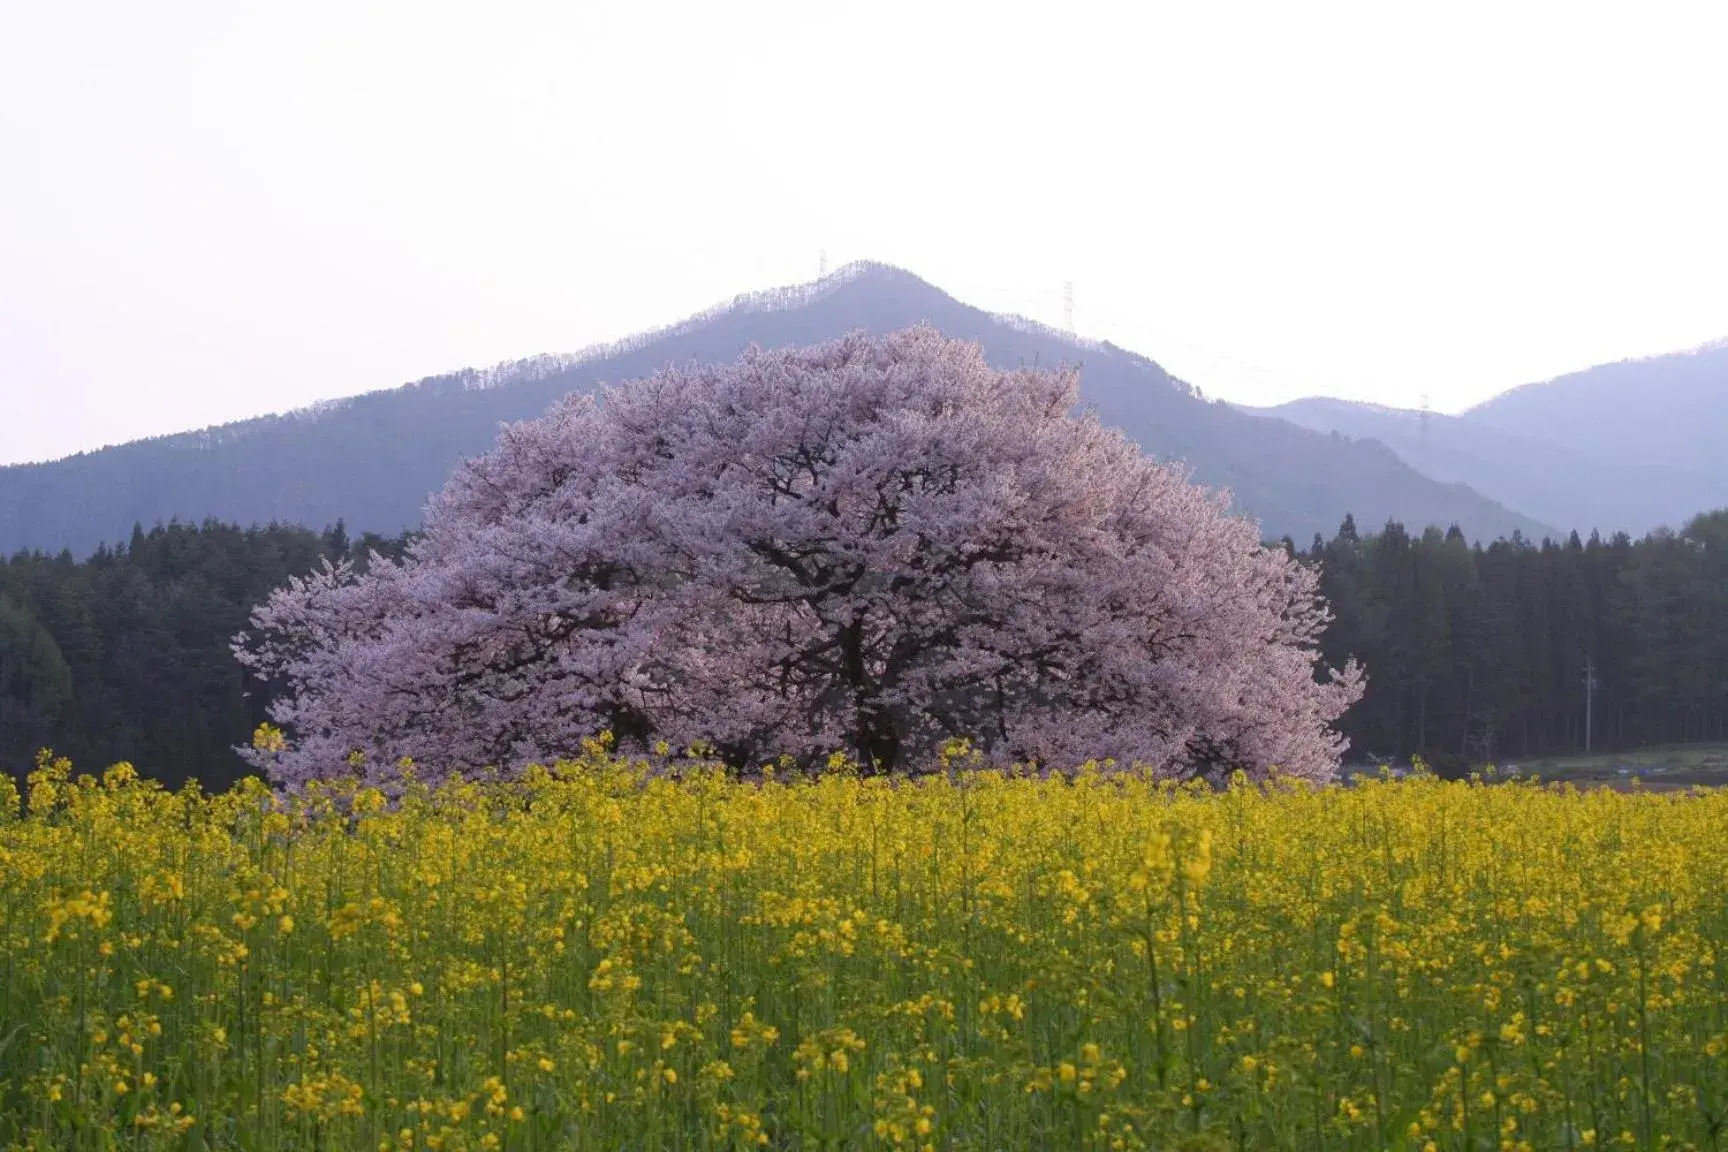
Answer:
[(580, 924)]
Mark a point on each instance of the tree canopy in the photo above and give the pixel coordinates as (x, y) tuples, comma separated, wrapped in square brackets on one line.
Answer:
[(871, 545)]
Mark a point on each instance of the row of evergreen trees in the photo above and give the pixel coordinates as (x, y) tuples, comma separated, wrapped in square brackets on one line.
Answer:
[(1474, 653), (125, 656), (1485, 654)]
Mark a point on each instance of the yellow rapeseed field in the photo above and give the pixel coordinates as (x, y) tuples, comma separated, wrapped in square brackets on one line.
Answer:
[(600, 958)]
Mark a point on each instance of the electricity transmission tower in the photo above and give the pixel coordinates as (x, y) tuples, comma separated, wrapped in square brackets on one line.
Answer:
[(1068, 305), (822, 264)]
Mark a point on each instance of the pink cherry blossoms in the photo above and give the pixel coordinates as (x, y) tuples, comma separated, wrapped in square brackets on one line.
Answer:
[(872, 545)]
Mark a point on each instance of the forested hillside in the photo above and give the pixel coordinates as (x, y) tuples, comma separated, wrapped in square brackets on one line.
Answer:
[(374, 459), (1472, 652), (1481, 652), (125, 656)]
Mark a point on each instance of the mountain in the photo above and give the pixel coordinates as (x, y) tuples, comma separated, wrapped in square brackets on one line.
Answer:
[(1568, 487), (1627, 446), (373, 459), (1665, 410)]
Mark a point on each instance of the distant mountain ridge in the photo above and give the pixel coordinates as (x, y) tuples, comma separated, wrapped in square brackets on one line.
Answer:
[(373, 459), (1627, 446), (1670, 410), (534, 369)]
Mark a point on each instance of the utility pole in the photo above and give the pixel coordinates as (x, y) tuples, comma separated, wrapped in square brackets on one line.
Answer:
[(1589, 699)]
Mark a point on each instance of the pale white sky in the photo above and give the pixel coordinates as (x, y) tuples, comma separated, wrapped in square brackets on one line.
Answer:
[(211, 209)]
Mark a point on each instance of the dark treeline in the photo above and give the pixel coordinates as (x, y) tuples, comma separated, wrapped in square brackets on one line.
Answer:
[(1473, 653), (125, 656), (1479, 654)]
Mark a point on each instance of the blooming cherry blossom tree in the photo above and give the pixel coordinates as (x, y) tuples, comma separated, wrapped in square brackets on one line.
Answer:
[(873, 545)]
